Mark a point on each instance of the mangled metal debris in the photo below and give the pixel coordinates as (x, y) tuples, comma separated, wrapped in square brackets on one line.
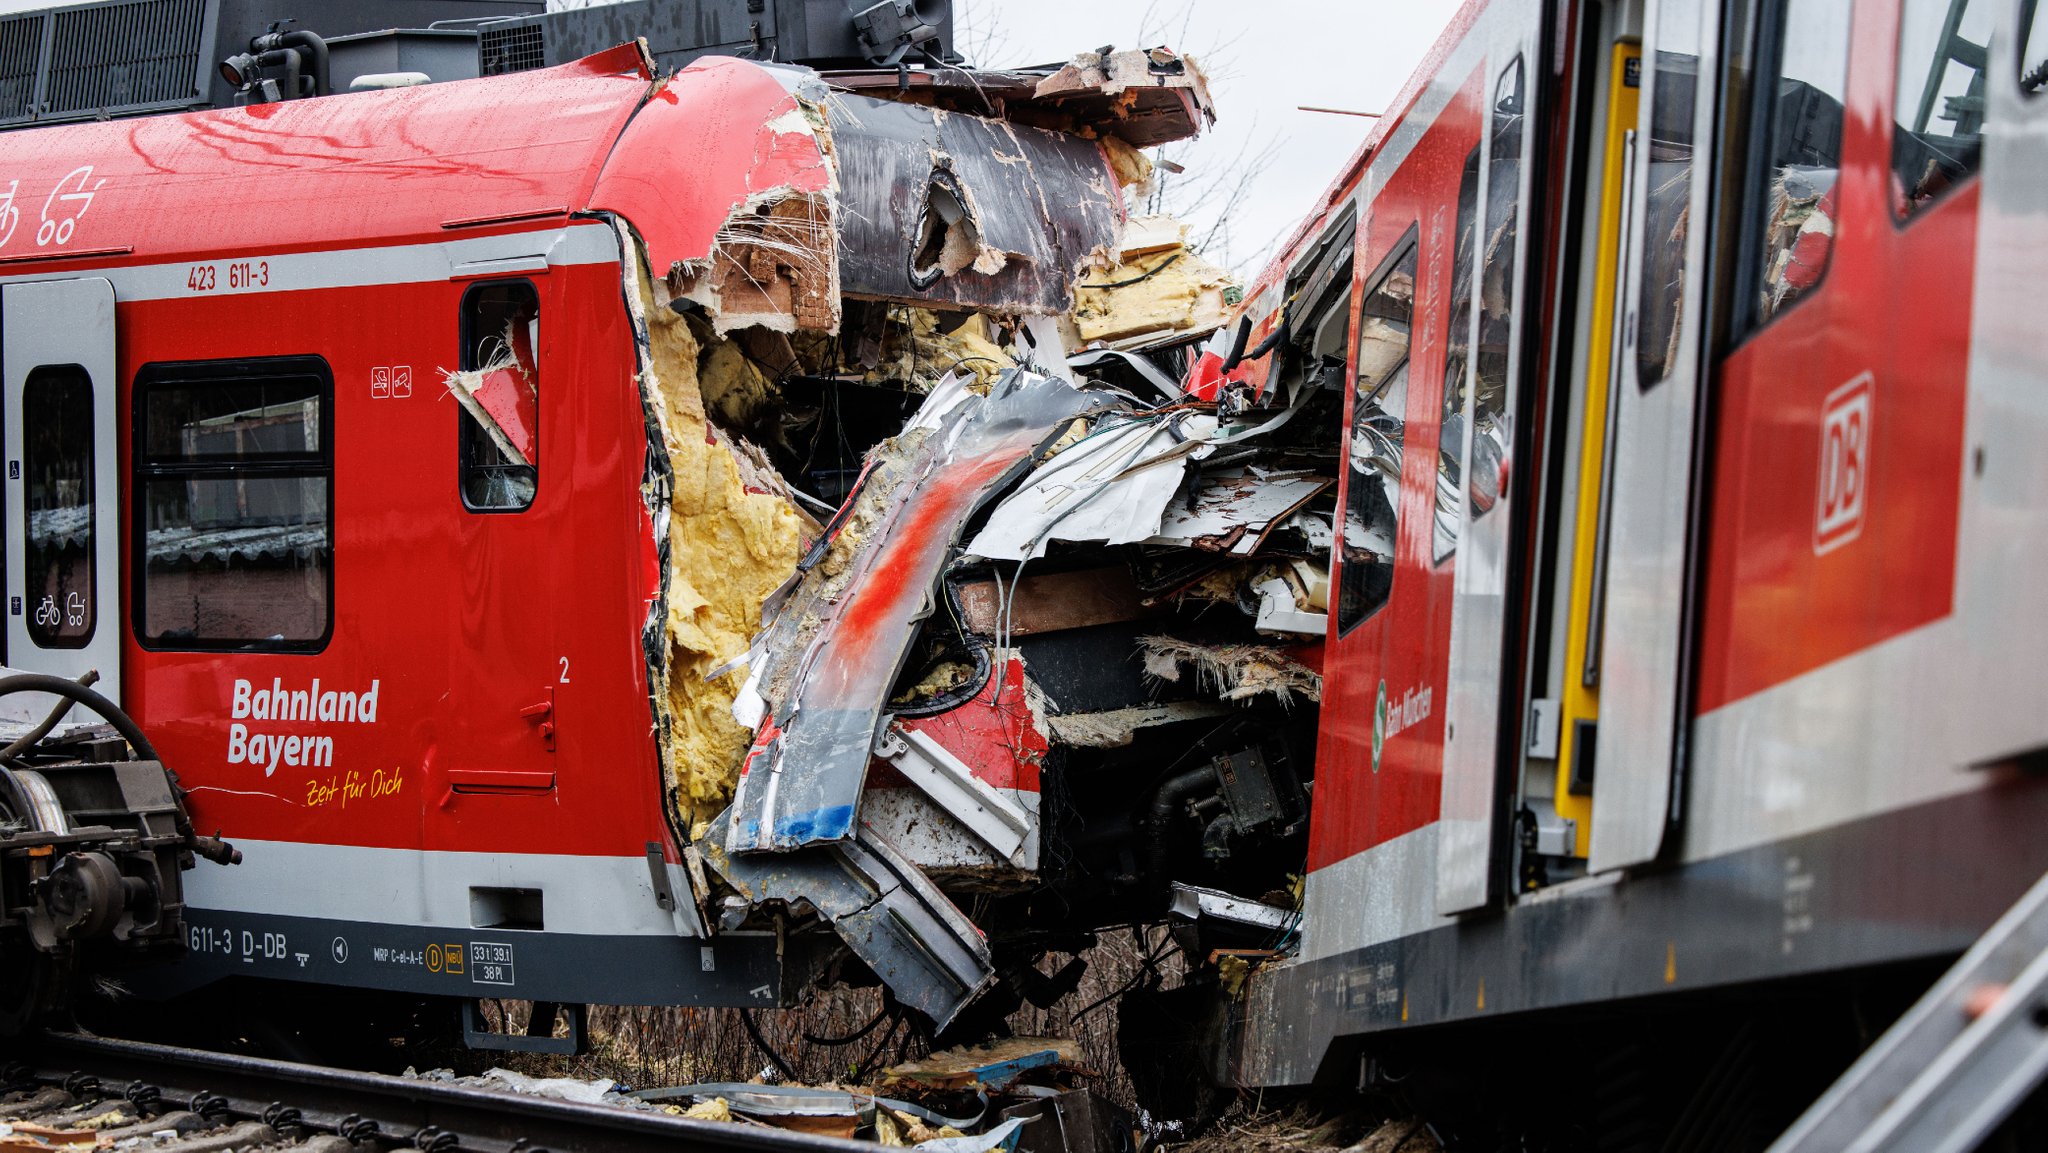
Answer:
[(837, 646), (985, 584), (885, 909), (994, 1065)]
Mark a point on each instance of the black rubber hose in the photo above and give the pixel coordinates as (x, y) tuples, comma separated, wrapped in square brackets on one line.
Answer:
[(28, 741), (1160, 817), (212, 848), (79, 694), (767, 1050), (984, 667), (1244, 333), (1273, 340)]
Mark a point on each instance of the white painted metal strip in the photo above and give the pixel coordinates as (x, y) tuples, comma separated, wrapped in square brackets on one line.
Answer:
[(598, 896), (349, 267)]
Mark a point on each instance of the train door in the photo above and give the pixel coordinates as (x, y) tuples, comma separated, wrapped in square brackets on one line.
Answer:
[(1651, 521), (503, 735), (63, 532), (1483, 397)]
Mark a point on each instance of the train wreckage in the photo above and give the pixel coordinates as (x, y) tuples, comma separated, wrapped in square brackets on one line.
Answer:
[(970, 599), (971, 609)]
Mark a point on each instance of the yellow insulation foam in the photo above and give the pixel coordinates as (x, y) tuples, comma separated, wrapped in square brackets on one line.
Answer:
[(1179, 293), (729, 548)]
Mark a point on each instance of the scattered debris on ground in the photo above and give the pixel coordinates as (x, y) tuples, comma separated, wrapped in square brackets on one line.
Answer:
[(972, 1099), (1304, 1128)]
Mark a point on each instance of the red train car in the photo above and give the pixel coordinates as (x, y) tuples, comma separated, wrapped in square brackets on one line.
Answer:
[(1655, 533), (343, 453), (1690, 385)]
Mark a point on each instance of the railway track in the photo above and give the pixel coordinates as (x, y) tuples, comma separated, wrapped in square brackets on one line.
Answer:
[(188, 1101)]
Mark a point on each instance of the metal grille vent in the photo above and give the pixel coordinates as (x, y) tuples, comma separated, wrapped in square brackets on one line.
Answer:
[(21, 50), (125, 56), (510, 49)]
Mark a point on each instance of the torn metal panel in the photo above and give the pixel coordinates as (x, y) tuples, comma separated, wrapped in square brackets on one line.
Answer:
[(1144, 368), (928, 953), (744, 228), (1112, 486), (998, 821), (998, 738), (1077, 1121), (1236, 509), (936, 842), (1141, 97), (1192, 902), (838, 644), (1049, 602), (1150, 96), (945, 209)]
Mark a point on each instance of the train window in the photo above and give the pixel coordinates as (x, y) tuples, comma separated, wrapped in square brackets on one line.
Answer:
[(234, 469), (1497, 291), (1660, 297), (1450, 429), (57, 458), (2033, 54), (1939, 103), (1803, 137), (499, 393), (1379, 409)]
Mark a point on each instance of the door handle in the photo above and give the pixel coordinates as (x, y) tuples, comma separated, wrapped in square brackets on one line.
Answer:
[(543, 714)]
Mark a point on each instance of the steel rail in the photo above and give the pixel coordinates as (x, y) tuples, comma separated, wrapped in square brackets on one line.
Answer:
[(404, 1112)]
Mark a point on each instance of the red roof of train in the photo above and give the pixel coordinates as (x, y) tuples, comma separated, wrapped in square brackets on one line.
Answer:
[(407, 165)]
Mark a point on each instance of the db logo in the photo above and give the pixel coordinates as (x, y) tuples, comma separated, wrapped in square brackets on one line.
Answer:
[(1844, 465)]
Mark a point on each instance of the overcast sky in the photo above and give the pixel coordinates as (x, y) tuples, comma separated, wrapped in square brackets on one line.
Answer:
[(1264, 59)]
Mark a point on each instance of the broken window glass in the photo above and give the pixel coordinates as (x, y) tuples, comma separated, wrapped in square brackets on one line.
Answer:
[(1378, 415), (234, 476), (1804, 146), (1939, 101), (57, 458), (498, 389), (1450, 429), (1661, 292), (1497, 292)]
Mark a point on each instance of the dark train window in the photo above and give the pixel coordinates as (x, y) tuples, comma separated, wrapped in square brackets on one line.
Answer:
[(234, 469), (1795, 187), (499, 393), (1497, 291), (1450, 429), (1373, 502), (2033, 54), (57, 460), (1660, 296), (1938, 107)]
